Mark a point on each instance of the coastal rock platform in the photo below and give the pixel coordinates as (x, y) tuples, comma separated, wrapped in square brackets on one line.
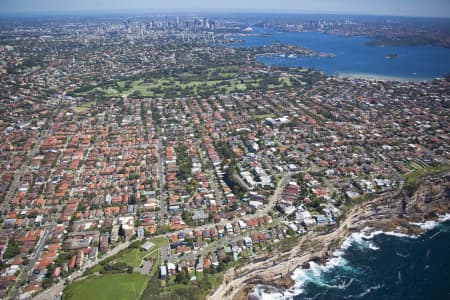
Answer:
[(397, 211)]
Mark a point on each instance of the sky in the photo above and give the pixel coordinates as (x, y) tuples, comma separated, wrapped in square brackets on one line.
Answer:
[(425, 8)]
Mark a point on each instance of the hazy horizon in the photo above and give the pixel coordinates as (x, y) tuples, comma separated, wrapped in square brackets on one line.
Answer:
[(407, 8)]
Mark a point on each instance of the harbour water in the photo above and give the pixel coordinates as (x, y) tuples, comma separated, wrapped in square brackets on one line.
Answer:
[(378, 266), (353, 56)]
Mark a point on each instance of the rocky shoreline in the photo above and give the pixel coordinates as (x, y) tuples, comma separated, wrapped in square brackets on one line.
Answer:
[(389, 212)]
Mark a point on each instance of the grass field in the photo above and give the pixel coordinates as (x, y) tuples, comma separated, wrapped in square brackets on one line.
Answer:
[(133, 257), (159, 87), (116, 286), (84, 107), (211, 81), (159, 242), (122, 286)]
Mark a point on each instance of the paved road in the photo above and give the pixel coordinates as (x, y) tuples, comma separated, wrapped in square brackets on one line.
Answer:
[(277, 194), (165, 253), (217, 191), (274, 198), (55, 290), (23, 277), (213, 178), (160, 173), (228, 239), (80, 171), (21, 171), (52, 170)]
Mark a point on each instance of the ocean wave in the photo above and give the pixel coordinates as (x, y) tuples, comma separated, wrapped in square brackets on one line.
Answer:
[(363, 240), (315, 273), (263, 292), (428, 225), (369, 290), (400, 235), (344, 284), (368, 234), (401, 254), (435, 235)]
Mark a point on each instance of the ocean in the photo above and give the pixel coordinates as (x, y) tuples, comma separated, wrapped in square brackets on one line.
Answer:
[(378, 266), (354, 58)]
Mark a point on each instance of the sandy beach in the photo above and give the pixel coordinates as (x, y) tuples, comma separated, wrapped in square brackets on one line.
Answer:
[(376, 77)]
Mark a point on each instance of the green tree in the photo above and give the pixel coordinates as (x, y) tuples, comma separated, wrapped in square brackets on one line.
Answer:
[(46, 283), (12, 249), (182, 277), (290, 231)]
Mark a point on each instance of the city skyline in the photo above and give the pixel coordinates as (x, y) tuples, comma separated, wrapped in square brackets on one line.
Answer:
[(420, 8)]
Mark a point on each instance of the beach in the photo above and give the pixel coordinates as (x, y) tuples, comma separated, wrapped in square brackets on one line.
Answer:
[(378, 77)]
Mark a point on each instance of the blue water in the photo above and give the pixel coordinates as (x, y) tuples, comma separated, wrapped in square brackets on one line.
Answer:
[(354, 56), (382, 267)]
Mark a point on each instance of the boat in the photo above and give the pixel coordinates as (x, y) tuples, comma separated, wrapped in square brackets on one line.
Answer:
[(391, 56)]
